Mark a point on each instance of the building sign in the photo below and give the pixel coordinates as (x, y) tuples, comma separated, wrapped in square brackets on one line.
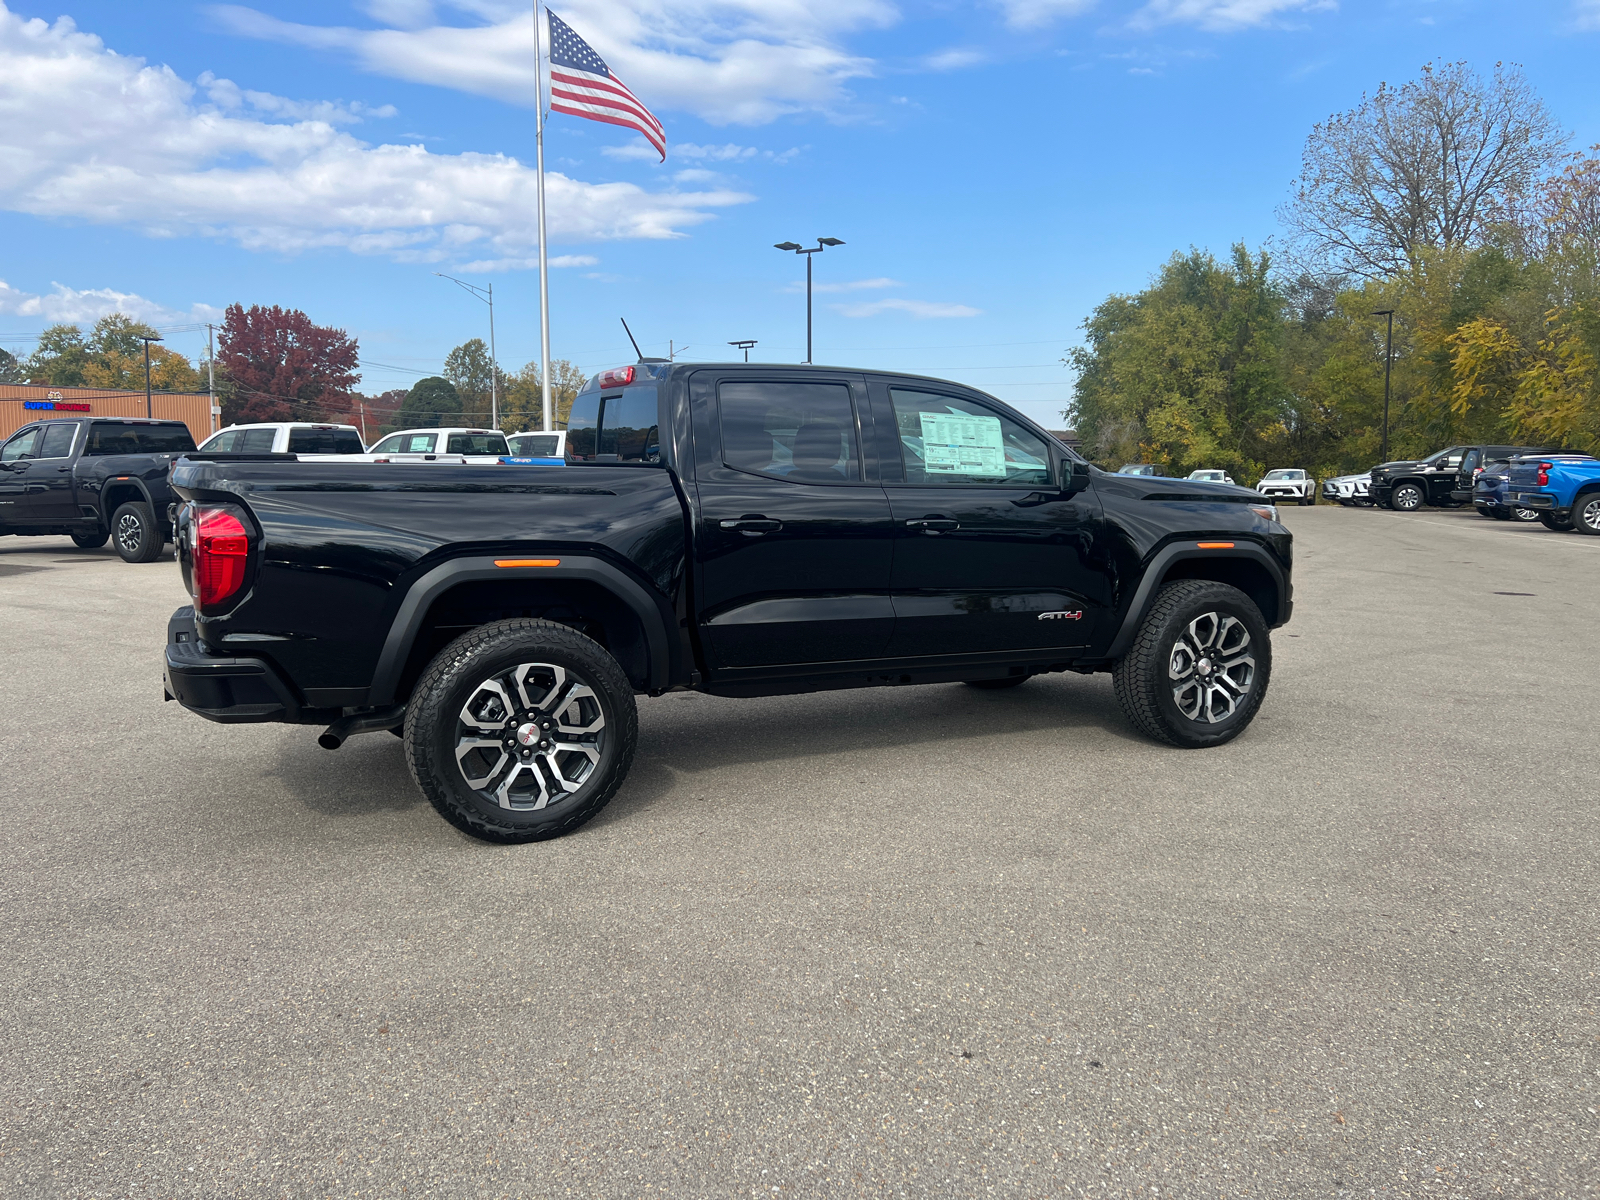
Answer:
[(56, 405)]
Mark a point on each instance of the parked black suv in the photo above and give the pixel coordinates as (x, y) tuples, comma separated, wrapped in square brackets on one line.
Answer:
[(92, 478), (1441, 479), (738, 529)]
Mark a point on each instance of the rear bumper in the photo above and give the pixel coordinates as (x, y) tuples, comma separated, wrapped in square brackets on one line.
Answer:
[(1542, 501), (230, 690)]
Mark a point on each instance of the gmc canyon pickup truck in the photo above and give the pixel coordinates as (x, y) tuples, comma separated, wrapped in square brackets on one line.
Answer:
[(742, 530), (92, 478)]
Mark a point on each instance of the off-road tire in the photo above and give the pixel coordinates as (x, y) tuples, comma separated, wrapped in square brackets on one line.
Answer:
[(456, 675), (135, 533), (1407, 497), (995, 685), (1309, 499), (1586, 514), (1141, 681), (90, 541), (1558, 524)]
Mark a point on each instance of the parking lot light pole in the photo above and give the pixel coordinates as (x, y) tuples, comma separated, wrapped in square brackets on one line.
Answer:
[(486, 294), (745, 345), (822, 244), (147, 339), (1388, 363)]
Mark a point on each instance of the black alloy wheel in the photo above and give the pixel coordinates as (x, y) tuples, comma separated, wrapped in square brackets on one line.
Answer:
[(1406, 497), (521, 730), (135, 534), (1199, 666), (90, 541), (1586, 514), (1558, 524)]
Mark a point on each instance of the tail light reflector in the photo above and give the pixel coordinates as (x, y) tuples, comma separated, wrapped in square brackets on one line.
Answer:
[(616, 377), (1544, 474), (221, 546)]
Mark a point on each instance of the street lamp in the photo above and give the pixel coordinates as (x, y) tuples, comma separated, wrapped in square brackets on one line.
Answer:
[(745, 346), (486, 294), (822, 244), (147, 338), (1388, 362)]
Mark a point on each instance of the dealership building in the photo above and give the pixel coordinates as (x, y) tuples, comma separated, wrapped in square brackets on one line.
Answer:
[(21, 403)]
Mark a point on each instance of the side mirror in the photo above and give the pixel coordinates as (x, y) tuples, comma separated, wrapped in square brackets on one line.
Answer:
[(1074, 475)]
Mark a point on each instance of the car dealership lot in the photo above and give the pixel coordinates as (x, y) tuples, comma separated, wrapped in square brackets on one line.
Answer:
[(924, 941)]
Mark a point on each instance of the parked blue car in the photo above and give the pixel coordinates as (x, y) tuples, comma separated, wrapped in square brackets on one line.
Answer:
[(1490, 494), (1564, 489)]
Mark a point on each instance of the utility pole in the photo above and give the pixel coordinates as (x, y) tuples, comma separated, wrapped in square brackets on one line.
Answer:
[(1388, 364), (822, 244), (485, 294), (147, 339), (361, 409), (211, 379)]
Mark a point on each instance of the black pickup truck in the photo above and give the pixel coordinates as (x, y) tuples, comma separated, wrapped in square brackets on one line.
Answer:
[(92, 478), (741, 530)]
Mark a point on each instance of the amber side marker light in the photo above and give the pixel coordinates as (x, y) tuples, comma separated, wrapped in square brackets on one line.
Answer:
[(1215, 545), (527, 562)]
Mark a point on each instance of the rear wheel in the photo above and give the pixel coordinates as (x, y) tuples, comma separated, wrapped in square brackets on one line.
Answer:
[(1406, 498), (1586, 514), (1498, 512), (135, 534), (1551, 521), (521, 730), (1198, 667), (994, 685), (1524, 514), (90, 541)]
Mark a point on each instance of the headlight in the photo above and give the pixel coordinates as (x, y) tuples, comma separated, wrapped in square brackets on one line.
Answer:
[(1267, 512)]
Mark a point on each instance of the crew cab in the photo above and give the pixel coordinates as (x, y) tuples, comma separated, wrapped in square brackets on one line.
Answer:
[(303, 438), (1442, 479), (1288, 483), (735, 529), (92, 478), (1564, 489), (479, 446)]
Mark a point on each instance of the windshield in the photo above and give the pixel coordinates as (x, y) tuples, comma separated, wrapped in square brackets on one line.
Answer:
[(1206, 475), (477, 443), (536, 445), (1285, 475), (325, 441)]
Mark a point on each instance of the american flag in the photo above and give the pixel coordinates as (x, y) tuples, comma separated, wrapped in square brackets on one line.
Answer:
[(581, 85)]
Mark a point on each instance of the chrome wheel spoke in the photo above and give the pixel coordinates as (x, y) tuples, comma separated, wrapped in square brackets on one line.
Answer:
[(1211, 667), (467, 747), (489, 708), (503, 794), (572, 716), (530, 736)]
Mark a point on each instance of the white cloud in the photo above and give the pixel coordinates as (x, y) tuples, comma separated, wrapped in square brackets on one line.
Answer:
[(74, 307), (89, 134), (642, 150), (1223, 15), (920, 309), (531, 263), (1034, 14), (740, 62), (226, 94), (1586, 15), (855, 285), (954, 59)]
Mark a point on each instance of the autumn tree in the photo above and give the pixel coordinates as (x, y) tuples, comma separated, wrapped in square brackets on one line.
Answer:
[(522, 403), (112, 356), (275, 364), (1430, 164)]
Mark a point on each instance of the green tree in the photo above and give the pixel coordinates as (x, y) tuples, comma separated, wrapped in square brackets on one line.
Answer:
[(59, 357), (431, 402), (522, 402), (11, 371), (468, 367), (112, 356)]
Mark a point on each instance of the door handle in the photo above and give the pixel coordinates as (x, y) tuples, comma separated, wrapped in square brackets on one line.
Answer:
[(63, 468), (933, 524), (755, 524)]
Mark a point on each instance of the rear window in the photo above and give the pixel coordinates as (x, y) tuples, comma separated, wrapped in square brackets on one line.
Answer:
[(616, 428), (325, 441), (477, 443), (107, 438), (535, 445)]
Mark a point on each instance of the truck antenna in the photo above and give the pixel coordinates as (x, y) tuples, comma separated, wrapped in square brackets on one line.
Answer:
[(629, 332)]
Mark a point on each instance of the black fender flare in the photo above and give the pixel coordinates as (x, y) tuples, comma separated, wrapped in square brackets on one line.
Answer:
[(113, 482), (1156, 569), (420, 596)]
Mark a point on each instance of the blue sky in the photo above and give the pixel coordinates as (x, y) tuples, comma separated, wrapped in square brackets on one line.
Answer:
[(995, 169)]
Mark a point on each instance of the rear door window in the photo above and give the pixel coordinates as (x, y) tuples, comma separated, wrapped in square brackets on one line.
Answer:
[(255, 441), (476, 443), (535, 445), (111, 438), (325, 441), (57, 440), (804, 432)]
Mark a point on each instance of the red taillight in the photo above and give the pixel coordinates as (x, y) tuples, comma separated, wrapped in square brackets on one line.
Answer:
[(1544, 473), (221, 546), (616, 377)]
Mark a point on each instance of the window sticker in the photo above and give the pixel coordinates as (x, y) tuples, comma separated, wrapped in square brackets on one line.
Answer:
[(962, 444)]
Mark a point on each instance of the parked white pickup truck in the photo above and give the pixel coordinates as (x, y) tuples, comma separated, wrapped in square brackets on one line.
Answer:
[(305, 438), (481, 446)]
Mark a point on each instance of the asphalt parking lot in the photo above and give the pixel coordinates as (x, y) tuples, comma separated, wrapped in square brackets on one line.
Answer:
[(914, 942)]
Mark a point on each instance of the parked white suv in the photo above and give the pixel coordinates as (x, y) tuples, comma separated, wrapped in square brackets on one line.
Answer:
[(1348, 490), (445, 444), (539, 445), (1289, 483), (1209, 475), (305, 438)]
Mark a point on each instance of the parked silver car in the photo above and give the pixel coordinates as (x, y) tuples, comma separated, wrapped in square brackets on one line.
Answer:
[(1348, 490)]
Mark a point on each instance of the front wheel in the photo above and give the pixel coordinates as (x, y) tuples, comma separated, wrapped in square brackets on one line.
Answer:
[(90, 541), (1406, 498), (521, 730), (1198, 667), (135, 533), (1586, 513)]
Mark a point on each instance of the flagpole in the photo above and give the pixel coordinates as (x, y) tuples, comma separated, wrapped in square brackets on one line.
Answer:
[(544, 264)]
